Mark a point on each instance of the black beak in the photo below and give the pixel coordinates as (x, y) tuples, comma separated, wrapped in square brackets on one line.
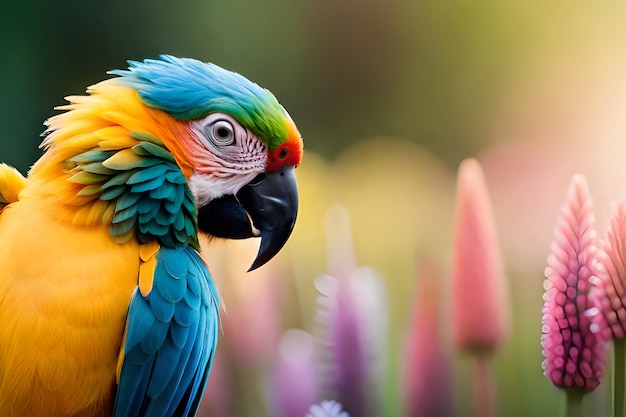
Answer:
[(270, 201)]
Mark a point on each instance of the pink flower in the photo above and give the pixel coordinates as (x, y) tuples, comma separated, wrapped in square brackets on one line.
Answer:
[(573, 348), (480, 312), (612, 275), (427, 367)]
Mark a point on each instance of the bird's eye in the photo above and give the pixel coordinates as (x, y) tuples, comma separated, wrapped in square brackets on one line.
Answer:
[(221, 133)]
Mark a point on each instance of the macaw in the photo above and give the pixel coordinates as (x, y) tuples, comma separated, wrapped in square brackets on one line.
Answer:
[(106, 305)]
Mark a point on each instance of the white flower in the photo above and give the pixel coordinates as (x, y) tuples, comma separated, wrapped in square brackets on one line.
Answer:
[(327, 409)]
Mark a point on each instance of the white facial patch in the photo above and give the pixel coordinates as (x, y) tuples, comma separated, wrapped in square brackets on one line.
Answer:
[(207, 187), (226, 157)]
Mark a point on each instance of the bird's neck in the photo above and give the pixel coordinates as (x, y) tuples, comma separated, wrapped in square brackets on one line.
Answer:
[(106, 165)]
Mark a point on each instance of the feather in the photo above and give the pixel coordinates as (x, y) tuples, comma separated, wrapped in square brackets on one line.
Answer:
[(129, 213), (179, 334), (148, 251), (117, 142), (147, 254), (97, 168), (112, 192), (87, 178), (124, 160), (148, 174), (90, 190), (151, 184), (127, 200), (90, 156), (166, 363), (117, 180), (151, 149), (189, 89)]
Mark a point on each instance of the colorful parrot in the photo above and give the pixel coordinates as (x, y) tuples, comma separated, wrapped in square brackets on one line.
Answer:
[(106, 305)]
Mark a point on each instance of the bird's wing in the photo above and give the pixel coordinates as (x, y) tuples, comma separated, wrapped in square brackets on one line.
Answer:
[(170, 339)]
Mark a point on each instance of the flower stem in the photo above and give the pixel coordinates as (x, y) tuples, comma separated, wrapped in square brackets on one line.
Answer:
[(619, 385), (574, 402), (484, 394)]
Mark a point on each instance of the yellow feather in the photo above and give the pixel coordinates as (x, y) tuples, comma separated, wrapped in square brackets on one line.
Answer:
[(147, 254), (11, 183), (96, 212), (148, 250), (111, 132), (122, 160), (120, 356), (63, 310), (117, 143), (108, 214), (87, 178)]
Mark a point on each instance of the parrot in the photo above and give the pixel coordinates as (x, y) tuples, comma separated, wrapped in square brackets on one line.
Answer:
[(107, 306)]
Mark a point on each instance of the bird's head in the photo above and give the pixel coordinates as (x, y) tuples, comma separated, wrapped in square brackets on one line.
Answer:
[(236, 144), (143, 146)]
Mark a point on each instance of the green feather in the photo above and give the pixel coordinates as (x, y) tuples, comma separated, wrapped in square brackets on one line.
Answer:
[(148, 174), (87, 178), (90, 190), (94, 155), (97, 168), (127, 200), (149, 185), (126, 214), (112, 192), (147, 149), (150, 194), (118, 179)]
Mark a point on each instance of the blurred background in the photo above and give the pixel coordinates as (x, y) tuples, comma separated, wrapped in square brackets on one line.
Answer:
[(389, 96)]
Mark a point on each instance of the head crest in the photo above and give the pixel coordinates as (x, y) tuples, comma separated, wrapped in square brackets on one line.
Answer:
[(190, 89)]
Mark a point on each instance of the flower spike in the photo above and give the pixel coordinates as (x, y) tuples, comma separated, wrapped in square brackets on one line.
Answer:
[(480, 313), (573, 348)]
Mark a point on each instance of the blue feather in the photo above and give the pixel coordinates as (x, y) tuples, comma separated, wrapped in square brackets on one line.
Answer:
[(142, 321), (127, 200), (173, 290), (189, 89), (163, 369), (176, 177), (178, 332), (163, 310), (119, 179), (154, 338), (166, 363), (173, 204), (184, 312), (148, 174), (176, 268), (148, 185), (147, 206), (164, 192)]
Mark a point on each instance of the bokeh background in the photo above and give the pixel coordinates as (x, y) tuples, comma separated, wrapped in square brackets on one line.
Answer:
[(389, 96)]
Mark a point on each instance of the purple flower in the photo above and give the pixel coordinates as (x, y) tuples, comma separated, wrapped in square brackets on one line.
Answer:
[(294, 375), (351, 318), (573, 348)]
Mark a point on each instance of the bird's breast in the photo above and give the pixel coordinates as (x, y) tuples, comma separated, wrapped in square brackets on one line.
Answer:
[(64, 294)]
